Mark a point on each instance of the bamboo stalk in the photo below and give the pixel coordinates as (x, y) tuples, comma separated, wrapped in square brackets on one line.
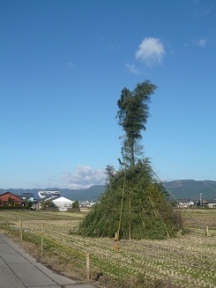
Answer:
[(121, 208), (129, 225)]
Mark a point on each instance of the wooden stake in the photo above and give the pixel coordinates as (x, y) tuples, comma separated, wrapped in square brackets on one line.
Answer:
[(21, 234), (88, 267), (7, 224), (42, 238), (116, 245)]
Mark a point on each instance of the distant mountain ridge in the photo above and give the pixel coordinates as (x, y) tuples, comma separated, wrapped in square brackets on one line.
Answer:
[(180, 189), (191, 189)]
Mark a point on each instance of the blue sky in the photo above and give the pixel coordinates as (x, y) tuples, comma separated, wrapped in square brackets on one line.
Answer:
[(63, 65)]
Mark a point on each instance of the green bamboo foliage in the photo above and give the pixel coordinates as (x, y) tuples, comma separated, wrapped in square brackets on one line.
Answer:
[(134, 205), (132, 114)]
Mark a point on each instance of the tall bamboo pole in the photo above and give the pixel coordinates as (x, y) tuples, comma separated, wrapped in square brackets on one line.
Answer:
[(121, 208), (129, 216)]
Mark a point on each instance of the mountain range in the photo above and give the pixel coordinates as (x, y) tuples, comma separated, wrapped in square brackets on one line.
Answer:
[(178, 189)]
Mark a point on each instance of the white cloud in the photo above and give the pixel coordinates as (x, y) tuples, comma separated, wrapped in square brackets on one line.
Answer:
[(202, 43), (150, 51), (84, 177), (132, 68)]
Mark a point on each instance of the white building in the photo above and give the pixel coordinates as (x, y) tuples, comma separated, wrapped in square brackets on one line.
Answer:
[(63, 203), (212, 204)]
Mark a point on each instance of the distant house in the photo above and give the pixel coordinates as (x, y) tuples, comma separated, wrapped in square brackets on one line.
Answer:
[(9, 199), (63, 203), (88, 204), (212, 204), (185, 204)]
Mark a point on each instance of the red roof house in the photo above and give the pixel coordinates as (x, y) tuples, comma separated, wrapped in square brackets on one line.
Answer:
[(9, 199)]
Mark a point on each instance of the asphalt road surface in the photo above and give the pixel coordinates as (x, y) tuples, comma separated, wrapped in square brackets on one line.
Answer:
[(20, 270)]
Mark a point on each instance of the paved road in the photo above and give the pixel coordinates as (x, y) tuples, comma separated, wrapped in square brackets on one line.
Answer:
[(20, 270)]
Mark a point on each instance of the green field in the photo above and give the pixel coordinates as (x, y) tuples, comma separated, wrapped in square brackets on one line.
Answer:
[(185, 261)]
